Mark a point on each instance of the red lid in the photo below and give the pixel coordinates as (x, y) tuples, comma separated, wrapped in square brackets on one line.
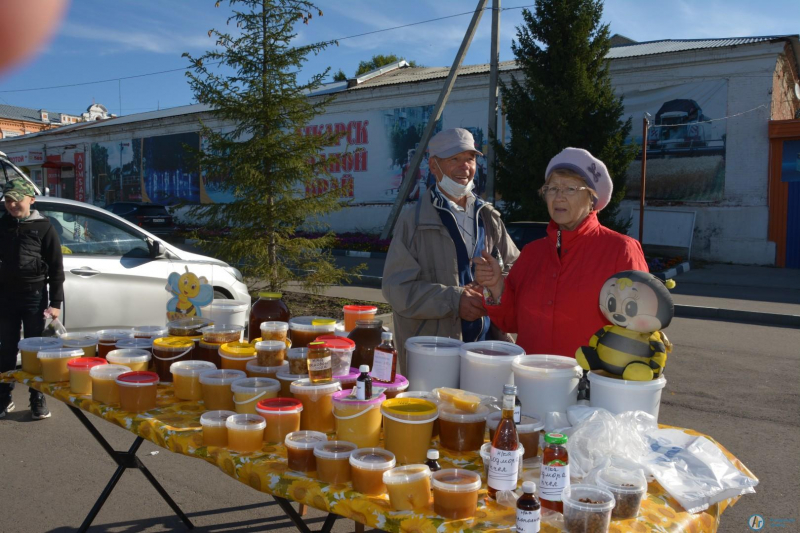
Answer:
[(279, 404), (86, 362), (317, 344), (337, 343), (140, 377), (360, 308)]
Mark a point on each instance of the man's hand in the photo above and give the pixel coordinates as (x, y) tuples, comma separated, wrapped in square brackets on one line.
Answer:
[(471, 305), (489, 273), (53, 312)]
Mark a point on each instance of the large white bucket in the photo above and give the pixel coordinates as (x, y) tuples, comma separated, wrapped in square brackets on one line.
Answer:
[(618, 395), (486, 366), (229, 312), (432, 362), (546, 383)]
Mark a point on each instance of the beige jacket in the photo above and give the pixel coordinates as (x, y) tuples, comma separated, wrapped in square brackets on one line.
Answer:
[(420, 276)]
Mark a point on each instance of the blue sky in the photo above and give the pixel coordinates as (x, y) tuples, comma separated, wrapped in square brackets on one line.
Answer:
[(102, 39)]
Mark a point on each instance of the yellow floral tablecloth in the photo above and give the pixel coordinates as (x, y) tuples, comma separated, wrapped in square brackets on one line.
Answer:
[(175, 425)]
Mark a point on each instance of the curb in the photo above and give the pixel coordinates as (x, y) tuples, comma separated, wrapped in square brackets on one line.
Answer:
[(735, 315), (672, 272), (355, 253)]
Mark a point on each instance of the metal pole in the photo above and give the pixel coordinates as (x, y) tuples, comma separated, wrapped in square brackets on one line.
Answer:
[(645, 123), (408, 180), (492, 130)]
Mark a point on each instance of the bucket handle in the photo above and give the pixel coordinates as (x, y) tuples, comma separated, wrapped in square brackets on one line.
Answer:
[(368, 409), (411, 421), (173, 358), (254, 398)]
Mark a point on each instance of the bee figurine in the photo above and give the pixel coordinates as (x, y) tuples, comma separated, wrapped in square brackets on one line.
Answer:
[(189, 292), (639, 306)]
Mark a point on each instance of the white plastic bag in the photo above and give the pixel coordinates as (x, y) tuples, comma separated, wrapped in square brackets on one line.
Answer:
[(53, 327)]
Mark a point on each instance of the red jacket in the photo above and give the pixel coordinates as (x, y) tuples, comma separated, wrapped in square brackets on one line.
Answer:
[(552, 301)]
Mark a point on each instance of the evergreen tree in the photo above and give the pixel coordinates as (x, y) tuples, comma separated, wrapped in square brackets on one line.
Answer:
[(563, 98), (379, 60), (269, 165), (340, 76)]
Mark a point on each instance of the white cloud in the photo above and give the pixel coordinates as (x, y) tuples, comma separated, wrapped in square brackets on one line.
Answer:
[(132, 40)]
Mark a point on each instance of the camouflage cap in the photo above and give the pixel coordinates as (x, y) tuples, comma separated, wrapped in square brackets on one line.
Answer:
[(18, 189)]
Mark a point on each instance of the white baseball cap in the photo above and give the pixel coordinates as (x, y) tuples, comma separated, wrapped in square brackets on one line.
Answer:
[(448, 143)]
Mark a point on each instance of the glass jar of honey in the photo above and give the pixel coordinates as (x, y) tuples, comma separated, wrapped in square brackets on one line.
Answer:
[(186, 378), (319, 362), (333, 461), (268, 308), (300, 449), (409, 487), (215, 432), (367, 466), (366, 336)]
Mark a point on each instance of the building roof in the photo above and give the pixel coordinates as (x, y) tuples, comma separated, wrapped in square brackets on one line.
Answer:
[(27, 114), (667, 46), (418, 74)]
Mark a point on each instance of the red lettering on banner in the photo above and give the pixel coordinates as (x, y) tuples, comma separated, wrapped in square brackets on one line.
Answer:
[(346, 186), (80, 176), (361, 160)]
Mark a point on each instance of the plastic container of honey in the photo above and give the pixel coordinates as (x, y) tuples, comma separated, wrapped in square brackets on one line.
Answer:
[(425, 395), (348, 379), (135, 344), (528, 431), (235, 355), (286, 379), (407, 428), (462, 431), (54, 363), (207, 351), (29, 349), (133, 358), (300, 449), (409, 487), (317, 399), (455, 493), (80, 382), (216, 387), (341, 349), (358, 421), (274, 331), (168, 350), (137, 391), (245, 432), (150, 332), (107, 339), (400, 384), (367, 466), (188, 327), (333, 461), (186, 378), (104, 382), (305, 329), (254, 370), (215, 432), (270, 353), (247, 392), (298, 360), (222, 333), (85, 341), (357, 312), (282, 416)]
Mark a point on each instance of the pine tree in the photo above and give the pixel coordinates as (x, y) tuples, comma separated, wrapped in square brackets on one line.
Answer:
[(268, 164), (563, 98)]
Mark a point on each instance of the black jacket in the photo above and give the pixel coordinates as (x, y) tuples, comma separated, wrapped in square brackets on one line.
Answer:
[(30, 256)]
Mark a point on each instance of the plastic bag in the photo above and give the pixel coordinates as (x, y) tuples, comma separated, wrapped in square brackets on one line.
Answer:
[(694, 470), (53, 327)]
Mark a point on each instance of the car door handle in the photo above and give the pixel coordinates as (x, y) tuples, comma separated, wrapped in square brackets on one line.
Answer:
[(85, 271)]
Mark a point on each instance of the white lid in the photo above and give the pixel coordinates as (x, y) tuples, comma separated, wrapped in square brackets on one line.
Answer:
[(527, 424), (215, 419), (229, 306), (423, 394), (284, 375), (448, 413), (274, 326), (140, 343), (106, 335), (622, 481), (270, 346), (304, 323), (443, 346), (572, 495), (433, 455), (335, 449), (545, 366), (255, 385), (59, 353), (491, 351), (305, 386), (372, 459), (108, 371), (363, 369), (607, 380), (529, 487), (253, 366), (406, 474), (152, 331), (191, 368), (304, 439), (79, 340), (297, 353), (34, 344), (456, 480), (246, 422), (128, 356), (224, 376)]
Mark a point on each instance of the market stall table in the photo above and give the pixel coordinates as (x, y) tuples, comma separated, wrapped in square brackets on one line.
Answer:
[(175, 426)]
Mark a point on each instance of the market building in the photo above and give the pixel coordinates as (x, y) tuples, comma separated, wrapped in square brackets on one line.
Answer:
[(723, 144)]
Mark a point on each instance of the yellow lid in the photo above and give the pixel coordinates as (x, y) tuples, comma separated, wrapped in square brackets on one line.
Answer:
[(173, 344), (410, 408), (323, 322), (238, 349), (266, 294)]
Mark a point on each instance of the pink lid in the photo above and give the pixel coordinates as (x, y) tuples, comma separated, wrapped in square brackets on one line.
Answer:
[(339, 397), (86, 362), (352, 375), (399, 383)]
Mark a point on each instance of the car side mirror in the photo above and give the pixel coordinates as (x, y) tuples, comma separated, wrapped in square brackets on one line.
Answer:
[(158, 250)]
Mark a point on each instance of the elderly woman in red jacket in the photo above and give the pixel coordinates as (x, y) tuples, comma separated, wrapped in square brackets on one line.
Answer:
[(550, 297)]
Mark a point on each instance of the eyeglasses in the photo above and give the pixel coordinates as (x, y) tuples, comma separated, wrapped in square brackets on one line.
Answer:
[(551, 192)]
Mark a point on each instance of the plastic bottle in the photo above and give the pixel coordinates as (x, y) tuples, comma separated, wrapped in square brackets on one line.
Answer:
[(433, 460), (364, 384), (529, 511), (555, 472), (504, 459), (384, 362)]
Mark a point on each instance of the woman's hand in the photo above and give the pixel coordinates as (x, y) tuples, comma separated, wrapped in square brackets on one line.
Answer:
[(489, 273)]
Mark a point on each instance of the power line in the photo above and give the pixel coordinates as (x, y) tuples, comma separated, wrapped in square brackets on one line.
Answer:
[(710, 120)]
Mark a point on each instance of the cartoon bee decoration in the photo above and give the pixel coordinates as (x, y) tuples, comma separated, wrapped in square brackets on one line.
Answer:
[(189, 292), (638, 305)]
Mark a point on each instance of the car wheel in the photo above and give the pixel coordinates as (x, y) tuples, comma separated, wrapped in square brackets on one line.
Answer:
[(219, 294)]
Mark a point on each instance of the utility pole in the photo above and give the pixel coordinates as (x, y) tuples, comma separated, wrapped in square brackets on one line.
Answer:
[(645, 124), (408, 179), (493, 74)]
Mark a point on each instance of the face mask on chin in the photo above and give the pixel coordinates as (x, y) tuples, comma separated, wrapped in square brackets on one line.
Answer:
[(453, 188)]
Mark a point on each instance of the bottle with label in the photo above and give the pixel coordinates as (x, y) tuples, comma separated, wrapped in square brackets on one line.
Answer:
[(433, 460), (320, 369), (555, 472), (364, 384), (384, 362), (517, 411), (504, 459), (529, 512)]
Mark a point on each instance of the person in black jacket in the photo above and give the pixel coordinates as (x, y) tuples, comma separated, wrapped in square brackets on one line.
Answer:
[(30, 261)]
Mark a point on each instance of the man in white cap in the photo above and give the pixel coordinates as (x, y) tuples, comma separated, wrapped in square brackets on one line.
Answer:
[(429, 278)]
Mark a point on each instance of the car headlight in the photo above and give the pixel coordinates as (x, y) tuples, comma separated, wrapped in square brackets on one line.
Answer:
[(235, 273)]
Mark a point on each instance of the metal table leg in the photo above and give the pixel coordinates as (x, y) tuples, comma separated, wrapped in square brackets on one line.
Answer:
[(124, 460), (297, 520)]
